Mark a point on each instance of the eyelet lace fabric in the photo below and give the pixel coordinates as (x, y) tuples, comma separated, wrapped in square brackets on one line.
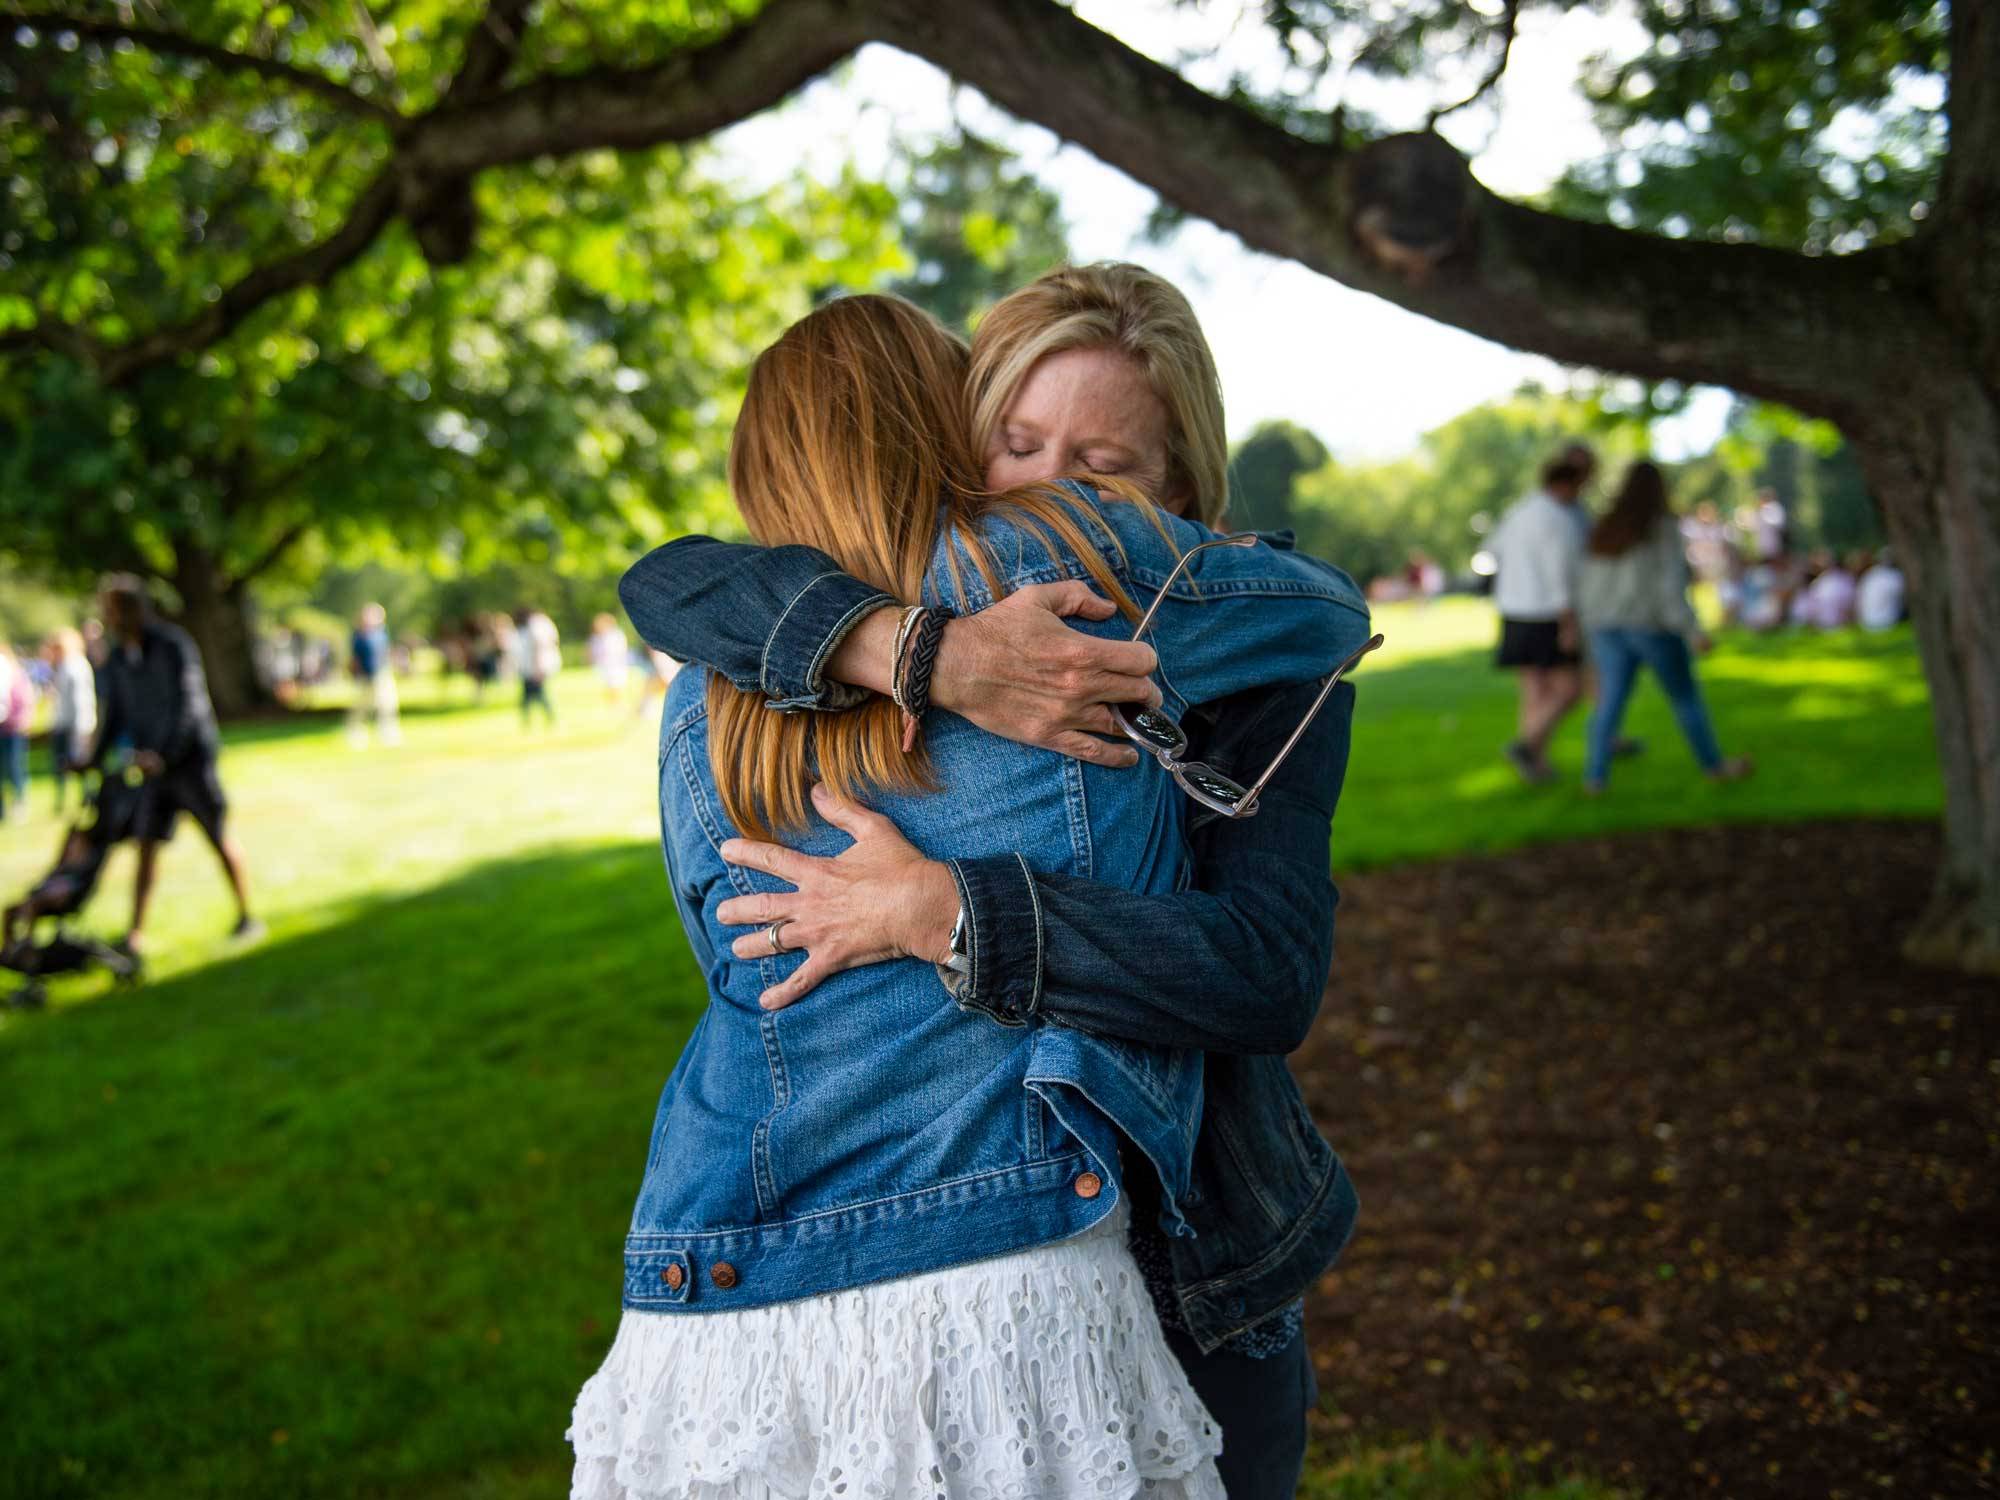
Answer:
[(1031, 1376)]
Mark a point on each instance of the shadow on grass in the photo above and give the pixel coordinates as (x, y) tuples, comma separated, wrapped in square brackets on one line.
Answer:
[(340, 1215)]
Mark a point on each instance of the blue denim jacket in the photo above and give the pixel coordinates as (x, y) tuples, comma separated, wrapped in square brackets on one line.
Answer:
[(876, 1129)]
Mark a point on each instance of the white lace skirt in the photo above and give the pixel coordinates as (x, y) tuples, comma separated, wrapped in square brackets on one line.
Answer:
[(1036, 1375)]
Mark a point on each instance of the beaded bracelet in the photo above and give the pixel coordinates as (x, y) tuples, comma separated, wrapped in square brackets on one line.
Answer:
[(910, 616)]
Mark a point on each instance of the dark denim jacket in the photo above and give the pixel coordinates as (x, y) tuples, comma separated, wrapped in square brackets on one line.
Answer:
[(1234, 965)]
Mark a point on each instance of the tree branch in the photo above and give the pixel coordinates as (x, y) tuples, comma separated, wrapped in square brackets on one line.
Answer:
[(314, 265), (1510, 20), (280, 545), (688, 95), (173, 43), (1400, 218), (490, 50)]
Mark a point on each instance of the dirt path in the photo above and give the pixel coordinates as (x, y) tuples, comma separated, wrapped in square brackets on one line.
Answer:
[(1669, 1167)]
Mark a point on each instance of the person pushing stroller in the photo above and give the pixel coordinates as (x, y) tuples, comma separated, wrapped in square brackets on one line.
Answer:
[(154, 698)]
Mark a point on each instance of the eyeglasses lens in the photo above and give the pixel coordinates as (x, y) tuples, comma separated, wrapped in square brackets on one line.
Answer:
[(1154, 730), (1215, 785)]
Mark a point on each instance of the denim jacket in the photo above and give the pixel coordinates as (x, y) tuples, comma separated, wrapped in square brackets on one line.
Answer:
[(1253, 936), (877, 1129)]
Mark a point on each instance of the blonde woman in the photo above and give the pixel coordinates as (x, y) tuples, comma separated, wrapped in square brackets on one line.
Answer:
[(1094, 370), (880, 1243), (73, 717)]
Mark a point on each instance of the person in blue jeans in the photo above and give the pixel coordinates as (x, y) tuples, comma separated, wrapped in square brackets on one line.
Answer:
[(1632, 601), (1096, 369)]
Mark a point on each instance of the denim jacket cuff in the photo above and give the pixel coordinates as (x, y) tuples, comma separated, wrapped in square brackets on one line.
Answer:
[(806, 634), (1003, 938)]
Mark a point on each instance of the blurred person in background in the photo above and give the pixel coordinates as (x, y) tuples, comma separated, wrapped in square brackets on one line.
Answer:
[(538, 658), (1827, 603), (488, 650), (73, 718), (17, 707), (1632, 600), (658, 676), (370, 662), (1881, 595), (610, 657), (154, 698), (1536, 548)]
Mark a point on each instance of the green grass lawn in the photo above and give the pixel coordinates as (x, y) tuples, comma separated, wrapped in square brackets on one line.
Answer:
[(340, 1214)]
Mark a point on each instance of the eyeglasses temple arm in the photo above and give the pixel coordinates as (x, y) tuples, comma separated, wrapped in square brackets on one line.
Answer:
[(1332, 682), (1240, 539)]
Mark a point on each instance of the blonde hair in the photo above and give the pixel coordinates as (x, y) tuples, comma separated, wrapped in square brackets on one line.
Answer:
[(853, 439), (67, 640), (1112, 305)]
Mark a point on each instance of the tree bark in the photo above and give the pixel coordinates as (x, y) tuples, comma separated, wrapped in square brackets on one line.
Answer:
[(1933, 460), (215, 610)]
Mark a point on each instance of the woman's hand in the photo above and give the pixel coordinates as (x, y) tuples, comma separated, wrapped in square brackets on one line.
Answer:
[(1017, 671), (880, 899)]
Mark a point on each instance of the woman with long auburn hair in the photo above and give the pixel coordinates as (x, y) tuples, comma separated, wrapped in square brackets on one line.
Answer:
[(880, 1243), (1632, 601), (1099, 372)]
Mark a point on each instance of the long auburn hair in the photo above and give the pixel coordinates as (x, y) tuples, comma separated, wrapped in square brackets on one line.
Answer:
[(854, 439), (1640, 503)]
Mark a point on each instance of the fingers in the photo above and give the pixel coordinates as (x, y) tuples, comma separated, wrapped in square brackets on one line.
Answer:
[(851, 818), (757, 944), (1071, 597), (758, 909), (772, 859), (800, 983), (1096, 752)]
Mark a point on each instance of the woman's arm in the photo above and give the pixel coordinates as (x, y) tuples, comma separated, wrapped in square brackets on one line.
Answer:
[(1236, 964), (787, 622)]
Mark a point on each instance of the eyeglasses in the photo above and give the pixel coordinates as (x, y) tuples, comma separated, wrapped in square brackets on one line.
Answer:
[(1154, 732)]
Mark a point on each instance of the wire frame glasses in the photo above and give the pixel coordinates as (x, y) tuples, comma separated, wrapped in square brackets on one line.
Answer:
[(1158, 735)]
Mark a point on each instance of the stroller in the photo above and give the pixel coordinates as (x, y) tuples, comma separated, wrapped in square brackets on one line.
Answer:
[(107, 819)]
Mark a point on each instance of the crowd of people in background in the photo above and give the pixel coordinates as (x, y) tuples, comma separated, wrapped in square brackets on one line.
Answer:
[(1762, 581)]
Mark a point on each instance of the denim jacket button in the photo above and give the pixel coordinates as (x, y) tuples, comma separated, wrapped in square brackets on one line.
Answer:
[(1089, 1185), (723, 1274), (673, 1276)]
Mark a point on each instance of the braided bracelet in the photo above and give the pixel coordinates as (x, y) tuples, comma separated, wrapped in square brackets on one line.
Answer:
[(915, 698)]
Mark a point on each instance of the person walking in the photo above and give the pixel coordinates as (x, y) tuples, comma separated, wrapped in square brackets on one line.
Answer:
[(374, 680), (610, 657), (155, 698), (538, 657), (74, 720), (1536, 549), (17, 707), (1632, 599)]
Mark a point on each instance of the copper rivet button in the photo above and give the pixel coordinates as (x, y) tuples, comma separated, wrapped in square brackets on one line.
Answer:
[(1089, 1185), (724, 1275), (673, 1276)]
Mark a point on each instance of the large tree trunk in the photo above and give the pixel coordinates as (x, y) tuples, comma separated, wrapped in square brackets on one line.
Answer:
[(215, 610), (1934, 462)]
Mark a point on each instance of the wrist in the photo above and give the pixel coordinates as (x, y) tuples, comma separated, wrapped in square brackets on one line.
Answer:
[(933, 912), (947, 675), (866, 659)]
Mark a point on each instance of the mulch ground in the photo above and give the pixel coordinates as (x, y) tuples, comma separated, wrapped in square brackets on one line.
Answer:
[(1671, 1170)]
